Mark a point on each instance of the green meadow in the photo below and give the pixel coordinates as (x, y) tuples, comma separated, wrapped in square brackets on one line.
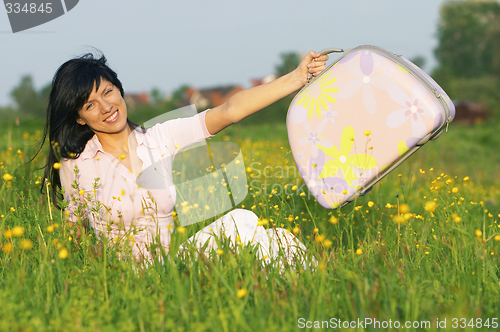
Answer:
[(421, 249)]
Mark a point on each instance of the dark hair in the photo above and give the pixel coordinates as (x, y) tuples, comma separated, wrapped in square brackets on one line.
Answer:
[(71, 87)]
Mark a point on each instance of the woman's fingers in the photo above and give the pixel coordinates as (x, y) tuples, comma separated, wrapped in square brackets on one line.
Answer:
[(316, 71), (322, 58), (318, 65), (313, 63)]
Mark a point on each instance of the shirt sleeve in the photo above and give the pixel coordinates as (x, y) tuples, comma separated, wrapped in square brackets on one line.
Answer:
[(178, 134)]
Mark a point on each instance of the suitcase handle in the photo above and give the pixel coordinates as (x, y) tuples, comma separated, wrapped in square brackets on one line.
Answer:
[(325, 51)]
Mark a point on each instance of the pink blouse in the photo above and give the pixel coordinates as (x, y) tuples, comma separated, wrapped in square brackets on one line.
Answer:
[(119, 202)]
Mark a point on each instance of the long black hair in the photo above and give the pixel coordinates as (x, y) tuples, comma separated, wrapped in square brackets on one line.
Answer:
[(71, 87)]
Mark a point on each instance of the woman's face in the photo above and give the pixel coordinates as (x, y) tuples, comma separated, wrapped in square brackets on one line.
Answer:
[(105, 111)]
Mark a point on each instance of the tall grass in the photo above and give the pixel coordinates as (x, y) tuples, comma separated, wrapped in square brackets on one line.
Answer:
[(423, 245)]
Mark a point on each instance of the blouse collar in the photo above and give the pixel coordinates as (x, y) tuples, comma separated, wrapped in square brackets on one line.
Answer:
[(93, 145)]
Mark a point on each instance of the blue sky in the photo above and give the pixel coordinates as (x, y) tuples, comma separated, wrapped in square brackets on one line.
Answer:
[(163, 44)]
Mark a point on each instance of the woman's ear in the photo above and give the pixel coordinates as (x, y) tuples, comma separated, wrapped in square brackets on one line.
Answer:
[(80, 122)]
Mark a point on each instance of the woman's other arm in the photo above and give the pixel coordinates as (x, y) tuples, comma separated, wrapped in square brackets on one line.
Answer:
[(252, 100)]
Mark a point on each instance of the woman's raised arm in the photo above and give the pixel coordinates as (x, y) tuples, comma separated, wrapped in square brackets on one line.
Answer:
[(252, 100)]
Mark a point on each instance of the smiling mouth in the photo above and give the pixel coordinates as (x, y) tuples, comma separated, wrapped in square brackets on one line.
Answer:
[(112, 117)]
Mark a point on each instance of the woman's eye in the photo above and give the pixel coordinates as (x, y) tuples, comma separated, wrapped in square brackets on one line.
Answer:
[(108, 92), (89, 106)]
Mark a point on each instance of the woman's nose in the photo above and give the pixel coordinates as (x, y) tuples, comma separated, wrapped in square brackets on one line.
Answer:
[(106, 107)]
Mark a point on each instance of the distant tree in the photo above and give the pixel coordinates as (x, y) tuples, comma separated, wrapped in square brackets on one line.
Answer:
[(44, 94), (289, 61), (469, 38), (176, 100), (28, 100), (419, 61), (179, 94), (157, 98)]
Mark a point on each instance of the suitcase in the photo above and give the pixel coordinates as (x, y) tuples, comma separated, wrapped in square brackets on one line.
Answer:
[(359, 119)]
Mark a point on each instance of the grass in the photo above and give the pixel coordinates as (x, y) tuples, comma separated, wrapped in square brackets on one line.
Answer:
[(438, 260)]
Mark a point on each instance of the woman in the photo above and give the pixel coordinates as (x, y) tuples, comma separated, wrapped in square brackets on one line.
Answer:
[(101, 155)]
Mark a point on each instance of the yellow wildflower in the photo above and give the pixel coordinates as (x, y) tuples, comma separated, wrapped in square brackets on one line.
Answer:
[(404, 208), (63, 253), (8, 234), (333, 220), (7, 248), (399, 219), (478, 233), (26, 244), (320, 238), (7, 177), (359, 252), (181, 230), (56, 165), (370, 204), (262, 222), (430, 206), (327, 243), (18, 231), (220, 252), (242, 292)]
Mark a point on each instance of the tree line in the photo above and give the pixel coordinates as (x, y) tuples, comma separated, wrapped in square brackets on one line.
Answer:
[(468, 55)]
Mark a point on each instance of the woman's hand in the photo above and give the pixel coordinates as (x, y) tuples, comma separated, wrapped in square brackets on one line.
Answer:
[(308, 66)]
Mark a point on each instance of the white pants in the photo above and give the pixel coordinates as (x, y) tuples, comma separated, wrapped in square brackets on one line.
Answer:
[(243, 223)]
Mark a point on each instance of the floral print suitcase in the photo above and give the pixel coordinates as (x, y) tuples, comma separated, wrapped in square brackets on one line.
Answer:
[(359, 119)]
